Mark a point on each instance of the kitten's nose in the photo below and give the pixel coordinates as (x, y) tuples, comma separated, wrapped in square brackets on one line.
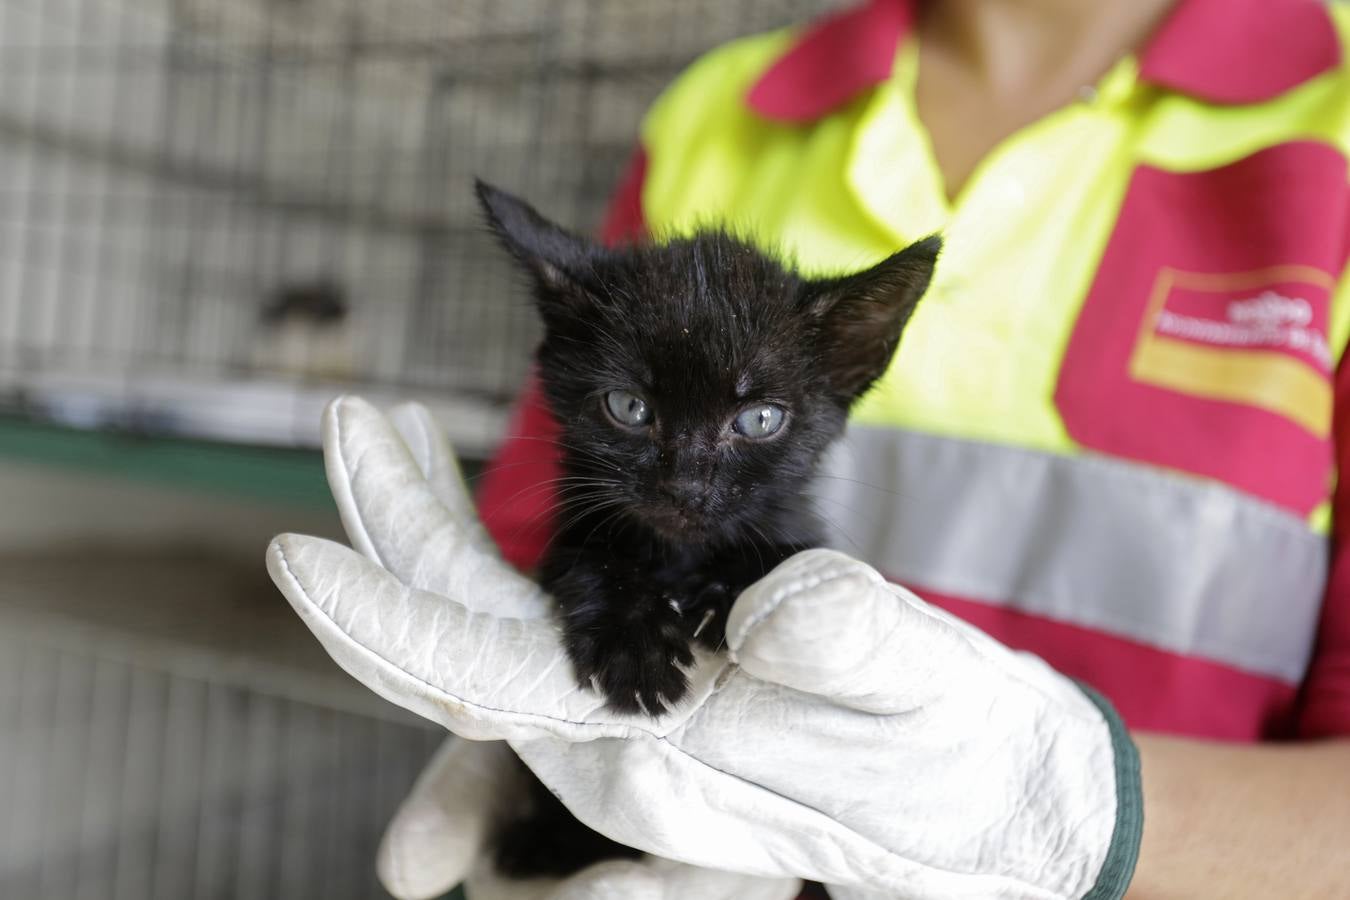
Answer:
[(686, 493)]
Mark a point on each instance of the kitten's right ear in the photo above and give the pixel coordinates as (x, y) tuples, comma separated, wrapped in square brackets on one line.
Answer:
[(862, 315), (552, 253)]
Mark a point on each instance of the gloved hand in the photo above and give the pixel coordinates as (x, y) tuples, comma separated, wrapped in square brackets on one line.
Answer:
[(438, 839), (853, 734), (439, 836)]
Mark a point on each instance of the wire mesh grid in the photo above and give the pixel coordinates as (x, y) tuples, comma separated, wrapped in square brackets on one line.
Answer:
[(211, 213), (127, 781)]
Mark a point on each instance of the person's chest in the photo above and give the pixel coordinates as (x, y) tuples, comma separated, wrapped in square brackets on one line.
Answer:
[(1149, 279), (1106, 435)]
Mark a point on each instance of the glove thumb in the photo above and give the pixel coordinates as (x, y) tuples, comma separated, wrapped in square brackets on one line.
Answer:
[(827, 624)]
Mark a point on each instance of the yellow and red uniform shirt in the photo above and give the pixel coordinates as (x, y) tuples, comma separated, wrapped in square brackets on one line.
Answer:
[(1112, 431)]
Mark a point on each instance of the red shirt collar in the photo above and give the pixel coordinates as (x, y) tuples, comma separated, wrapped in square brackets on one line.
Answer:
[(1221, 51)]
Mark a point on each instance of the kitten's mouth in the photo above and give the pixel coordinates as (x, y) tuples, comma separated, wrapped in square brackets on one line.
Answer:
[(676, 524)]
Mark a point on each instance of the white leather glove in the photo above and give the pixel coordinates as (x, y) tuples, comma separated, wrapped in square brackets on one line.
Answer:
[(438, 839), (853, 735), (439, 836)]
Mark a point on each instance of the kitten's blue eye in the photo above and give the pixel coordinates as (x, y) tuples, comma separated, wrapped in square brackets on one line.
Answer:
[(628, 408), (759, 421)]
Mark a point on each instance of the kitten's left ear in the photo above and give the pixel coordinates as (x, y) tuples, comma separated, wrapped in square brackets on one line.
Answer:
[(552, 253), (862, 315)]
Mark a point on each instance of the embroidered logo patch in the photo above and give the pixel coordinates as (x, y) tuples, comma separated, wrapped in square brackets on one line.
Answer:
[(1247, 337), (1201, 345)]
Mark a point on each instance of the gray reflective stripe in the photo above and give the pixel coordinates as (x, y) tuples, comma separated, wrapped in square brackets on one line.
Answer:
[(1175, 562)]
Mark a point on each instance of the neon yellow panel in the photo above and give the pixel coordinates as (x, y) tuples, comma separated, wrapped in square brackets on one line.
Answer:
[(1023, 239)]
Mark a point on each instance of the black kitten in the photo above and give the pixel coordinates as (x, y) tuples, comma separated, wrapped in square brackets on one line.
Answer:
[(696, 384)]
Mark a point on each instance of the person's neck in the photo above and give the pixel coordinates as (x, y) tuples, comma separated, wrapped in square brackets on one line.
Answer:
[(1016, 47), (988, 68)]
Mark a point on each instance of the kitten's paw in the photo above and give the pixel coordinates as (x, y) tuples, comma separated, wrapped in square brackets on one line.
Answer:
[(636, 658)]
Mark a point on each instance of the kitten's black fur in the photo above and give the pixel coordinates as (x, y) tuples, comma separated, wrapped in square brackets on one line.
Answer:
[(662, 524)]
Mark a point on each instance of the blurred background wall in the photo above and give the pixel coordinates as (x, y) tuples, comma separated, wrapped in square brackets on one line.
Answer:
[(214, 216)]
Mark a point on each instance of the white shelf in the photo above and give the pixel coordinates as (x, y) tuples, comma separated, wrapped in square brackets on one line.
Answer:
[(260, 411)]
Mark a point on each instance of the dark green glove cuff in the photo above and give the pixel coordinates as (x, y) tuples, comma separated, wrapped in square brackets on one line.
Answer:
[(1124, 851)]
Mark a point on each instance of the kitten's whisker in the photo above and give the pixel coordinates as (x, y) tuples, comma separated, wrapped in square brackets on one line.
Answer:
[(867, 484), (867, 517), (532, 526), (540, 486), (586, 510), (596, 509), (497, 467), (606, 519), (758, 531), (563, 445), (606, 471), (837, 528)]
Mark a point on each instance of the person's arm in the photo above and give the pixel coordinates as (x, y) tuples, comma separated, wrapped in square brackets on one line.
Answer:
[(1244, 821), (1269, 820)]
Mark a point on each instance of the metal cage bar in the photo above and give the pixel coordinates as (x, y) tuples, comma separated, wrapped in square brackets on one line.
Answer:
[(121, 779), (213, 215)]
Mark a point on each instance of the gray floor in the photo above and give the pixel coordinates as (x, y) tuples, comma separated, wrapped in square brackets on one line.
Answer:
[(168, 728)]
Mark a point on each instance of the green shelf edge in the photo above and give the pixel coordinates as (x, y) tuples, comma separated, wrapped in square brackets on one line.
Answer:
[(279, 475)]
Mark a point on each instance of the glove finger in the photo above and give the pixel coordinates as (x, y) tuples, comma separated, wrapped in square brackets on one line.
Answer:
[(480, 676), (486, 883), (654, 878), (433, 454), (827, 624), (651, 878), (443, 826), (664, 879), (393, 515)]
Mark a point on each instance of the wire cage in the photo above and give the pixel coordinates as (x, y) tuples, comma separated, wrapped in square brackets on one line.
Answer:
[(129, 779), (215, 214)]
